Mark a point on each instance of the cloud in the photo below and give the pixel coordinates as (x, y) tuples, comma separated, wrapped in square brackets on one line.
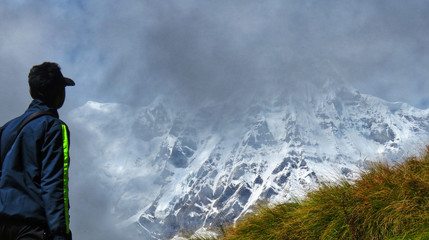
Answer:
[(130, 51), (211, 50)]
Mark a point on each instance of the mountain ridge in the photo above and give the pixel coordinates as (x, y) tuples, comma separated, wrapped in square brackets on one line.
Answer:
[(211, 164)]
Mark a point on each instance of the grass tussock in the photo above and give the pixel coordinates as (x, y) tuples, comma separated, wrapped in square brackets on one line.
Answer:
[(386, 202)]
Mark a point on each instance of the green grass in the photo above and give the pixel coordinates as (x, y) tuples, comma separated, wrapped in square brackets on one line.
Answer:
[(386, 202)]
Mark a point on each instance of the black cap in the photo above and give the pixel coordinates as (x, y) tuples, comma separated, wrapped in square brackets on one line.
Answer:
[(46, 79), (68, 82), (48, 74)]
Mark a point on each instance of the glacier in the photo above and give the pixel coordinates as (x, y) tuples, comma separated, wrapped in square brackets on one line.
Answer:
[(175, 169)]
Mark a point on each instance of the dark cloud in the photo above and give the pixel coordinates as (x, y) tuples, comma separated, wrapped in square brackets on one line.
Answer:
[(130, 51), (211, 50)]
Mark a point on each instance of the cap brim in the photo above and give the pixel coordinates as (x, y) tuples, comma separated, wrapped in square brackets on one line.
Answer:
[(69, 82)]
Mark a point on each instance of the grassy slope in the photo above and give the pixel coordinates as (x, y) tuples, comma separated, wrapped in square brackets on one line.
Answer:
[(386, 202)]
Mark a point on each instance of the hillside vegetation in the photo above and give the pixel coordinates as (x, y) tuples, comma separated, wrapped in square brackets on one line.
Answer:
[(385, 202)]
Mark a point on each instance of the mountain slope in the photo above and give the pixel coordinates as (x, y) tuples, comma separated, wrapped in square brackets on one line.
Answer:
[(175, 168), (385, 202)]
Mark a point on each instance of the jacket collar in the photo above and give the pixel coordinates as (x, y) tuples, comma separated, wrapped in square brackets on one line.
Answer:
[(39, 105)]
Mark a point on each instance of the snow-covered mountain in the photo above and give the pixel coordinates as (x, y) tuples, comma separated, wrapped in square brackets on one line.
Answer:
[(175, 169)]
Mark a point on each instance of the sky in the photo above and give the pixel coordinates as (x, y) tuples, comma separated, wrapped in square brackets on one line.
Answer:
[(131, 51)]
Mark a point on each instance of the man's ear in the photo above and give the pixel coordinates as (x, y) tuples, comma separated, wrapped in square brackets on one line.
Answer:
[(34, 95)]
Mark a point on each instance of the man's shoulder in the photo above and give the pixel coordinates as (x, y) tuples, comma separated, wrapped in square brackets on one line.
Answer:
[(44, 123), (12, 124), (51, 121)]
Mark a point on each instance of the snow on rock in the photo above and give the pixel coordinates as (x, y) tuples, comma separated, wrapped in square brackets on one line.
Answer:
[(207, 168)]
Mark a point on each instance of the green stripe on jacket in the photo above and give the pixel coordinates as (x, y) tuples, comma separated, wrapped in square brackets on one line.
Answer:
[(66, 176)]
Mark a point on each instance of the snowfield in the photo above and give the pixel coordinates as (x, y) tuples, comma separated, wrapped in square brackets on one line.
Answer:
[(176, 169)]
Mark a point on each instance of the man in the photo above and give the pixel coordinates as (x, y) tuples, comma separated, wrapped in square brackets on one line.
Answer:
[(34, 201)]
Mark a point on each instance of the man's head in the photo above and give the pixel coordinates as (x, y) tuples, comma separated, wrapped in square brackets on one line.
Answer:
[(47, 83)]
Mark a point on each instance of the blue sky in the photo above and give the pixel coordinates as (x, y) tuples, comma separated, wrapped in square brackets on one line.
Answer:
[(130, 51)]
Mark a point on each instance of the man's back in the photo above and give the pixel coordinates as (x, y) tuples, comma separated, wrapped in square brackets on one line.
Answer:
[(34, 173)]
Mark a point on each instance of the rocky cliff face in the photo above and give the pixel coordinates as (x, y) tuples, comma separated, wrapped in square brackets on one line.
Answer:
[(206, 166)]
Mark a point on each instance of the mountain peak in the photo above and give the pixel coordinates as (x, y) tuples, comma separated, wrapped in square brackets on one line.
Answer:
[(211, 164)]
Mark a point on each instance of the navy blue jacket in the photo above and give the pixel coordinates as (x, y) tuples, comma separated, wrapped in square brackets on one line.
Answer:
[(34, 174)]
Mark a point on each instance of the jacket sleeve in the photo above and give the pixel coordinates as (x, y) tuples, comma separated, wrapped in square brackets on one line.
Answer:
[(54, 179), (1, 155)]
